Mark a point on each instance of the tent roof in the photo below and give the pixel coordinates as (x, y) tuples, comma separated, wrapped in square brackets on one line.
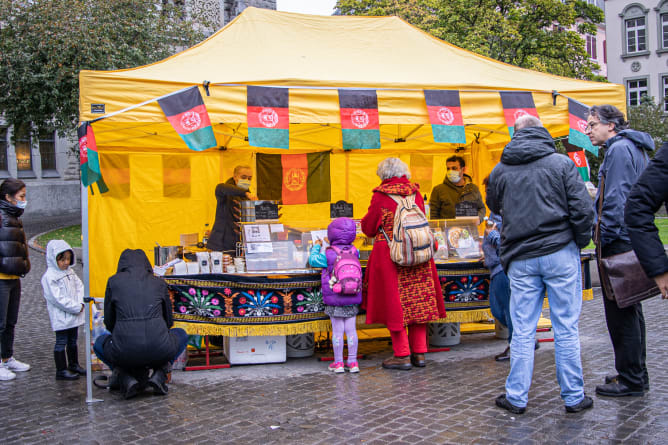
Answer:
[(265, 47)]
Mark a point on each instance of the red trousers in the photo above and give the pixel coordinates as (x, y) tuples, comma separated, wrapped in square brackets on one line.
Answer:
[(414, 341)]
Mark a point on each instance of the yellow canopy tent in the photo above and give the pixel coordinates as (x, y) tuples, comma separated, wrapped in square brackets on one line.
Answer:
[(160, 189)]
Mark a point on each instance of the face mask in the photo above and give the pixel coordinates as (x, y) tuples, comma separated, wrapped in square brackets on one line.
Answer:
[(454, 176), (244, 184), (21, 204)]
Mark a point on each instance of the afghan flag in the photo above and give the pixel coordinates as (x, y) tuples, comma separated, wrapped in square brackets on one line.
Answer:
[(88, 158), (294, 179), (515, 105), (445, 116), (359, 119), (577, 123), (578, 156), (268, 116), (187, 113)]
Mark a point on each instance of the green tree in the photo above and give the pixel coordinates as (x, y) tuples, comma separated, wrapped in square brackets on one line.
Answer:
[(650, 118), (538, 34), (45, 43)]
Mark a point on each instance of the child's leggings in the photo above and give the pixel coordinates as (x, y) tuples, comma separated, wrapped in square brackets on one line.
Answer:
[(339, 325)]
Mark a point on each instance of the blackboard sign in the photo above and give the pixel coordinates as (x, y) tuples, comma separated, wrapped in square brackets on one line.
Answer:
[(340, 209), (466, 208), (266, 210)]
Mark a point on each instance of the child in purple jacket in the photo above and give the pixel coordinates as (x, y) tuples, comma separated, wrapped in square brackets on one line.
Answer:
[(342, 309)]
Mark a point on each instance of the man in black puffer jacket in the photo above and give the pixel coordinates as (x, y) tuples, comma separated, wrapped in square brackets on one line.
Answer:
[(138, 313), (547, 218)]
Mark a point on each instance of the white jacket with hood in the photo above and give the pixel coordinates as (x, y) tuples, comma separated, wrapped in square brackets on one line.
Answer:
[(63, 290)]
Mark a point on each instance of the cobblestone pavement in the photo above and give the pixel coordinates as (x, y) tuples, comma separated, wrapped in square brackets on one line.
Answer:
[(449, 401)]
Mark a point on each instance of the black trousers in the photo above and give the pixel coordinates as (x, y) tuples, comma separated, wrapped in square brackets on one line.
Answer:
[(10, 300), (627, 332), (66, 338)]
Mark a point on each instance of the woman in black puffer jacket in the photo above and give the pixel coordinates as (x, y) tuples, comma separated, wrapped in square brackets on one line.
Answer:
[(14, 264)]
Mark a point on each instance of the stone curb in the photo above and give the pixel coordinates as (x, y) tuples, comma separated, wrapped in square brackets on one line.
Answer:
[(32, 243)]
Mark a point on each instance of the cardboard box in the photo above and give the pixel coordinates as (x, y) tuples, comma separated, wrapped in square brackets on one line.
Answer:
[(255, 350)]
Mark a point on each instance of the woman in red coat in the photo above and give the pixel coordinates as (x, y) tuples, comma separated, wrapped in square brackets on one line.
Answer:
[(398, 296)]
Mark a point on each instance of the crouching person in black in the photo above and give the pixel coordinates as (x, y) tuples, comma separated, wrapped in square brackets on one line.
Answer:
[(138, 314)]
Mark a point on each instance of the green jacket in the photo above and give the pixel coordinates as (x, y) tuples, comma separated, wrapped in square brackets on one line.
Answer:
[(445, 196)]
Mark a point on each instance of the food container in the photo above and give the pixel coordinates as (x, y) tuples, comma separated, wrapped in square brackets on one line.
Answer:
[(165, 254)]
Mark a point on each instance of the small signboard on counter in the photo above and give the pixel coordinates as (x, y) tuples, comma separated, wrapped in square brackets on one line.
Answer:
[(341, 209), (466, 208), (266, 210)]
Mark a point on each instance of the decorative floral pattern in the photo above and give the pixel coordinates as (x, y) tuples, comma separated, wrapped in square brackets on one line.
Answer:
[(198, 301), (309, 300), (465, 288)]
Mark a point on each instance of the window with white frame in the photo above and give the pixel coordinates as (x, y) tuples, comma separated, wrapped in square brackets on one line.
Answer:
[(3, 148), (591, 46), (47, 149), (664, 82), (636, 89), (635, 35), (664, 31)]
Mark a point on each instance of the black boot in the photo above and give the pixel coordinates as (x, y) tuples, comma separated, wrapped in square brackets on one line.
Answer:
[(158, 382), (73, 360), (129, 385), (62, 373)]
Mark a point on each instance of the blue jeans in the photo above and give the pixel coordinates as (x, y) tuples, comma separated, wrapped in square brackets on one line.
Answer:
[(499, 301), (559, 274), (180, 334)]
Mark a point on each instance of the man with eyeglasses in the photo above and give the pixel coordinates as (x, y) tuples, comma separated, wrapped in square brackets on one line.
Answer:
[(626, 156)]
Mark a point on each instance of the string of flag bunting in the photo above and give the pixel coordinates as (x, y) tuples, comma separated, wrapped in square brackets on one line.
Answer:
[(268, 121)]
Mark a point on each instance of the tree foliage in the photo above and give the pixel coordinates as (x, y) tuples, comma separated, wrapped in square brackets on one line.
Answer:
[(543, 35), (650, 118), (45, 43)]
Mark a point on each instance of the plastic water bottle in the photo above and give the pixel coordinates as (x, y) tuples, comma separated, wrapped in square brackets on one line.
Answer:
[(205, 236), (426, 207), (98, 325)]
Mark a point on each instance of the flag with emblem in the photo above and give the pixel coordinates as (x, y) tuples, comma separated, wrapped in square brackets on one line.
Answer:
[(294, 179), (577, 123), (578, 156), (186, 111), (89, 161), (515, 105), (359, 119), (445, 116), (268, 116)]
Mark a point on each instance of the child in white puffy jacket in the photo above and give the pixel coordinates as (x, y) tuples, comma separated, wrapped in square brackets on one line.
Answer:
[(64, 292)]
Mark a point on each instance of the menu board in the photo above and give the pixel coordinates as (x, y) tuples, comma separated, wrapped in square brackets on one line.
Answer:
[(466, 208), (341, 209), (266, 210)]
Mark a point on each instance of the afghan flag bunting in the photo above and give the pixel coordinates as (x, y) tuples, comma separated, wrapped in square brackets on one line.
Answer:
[(360, 127), (268, 116), (187, 113), (577, 123), (445, 116), (515, 105), (294, 179), (88, 158), (578, 156)]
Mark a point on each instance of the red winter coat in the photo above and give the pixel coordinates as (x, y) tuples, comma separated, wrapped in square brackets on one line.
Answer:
[(393, 295)]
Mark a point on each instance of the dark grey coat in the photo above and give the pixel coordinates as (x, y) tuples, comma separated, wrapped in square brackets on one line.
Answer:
[(541, 197), (223, 236), (13, 246)]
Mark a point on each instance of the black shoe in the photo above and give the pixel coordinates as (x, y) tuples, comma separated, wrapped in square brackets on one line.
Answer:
[(584, 404), (615, 378), (618, 389), (502, 402), (129, 386), (115, 379), (158, 382), (504, 356), (536, 346), (62, 373), (73, 360)]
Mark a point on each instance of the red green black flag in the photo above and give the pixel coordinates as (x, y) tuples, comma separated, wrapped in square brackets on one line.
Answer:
[(445, 116), (359, 119), (578, 156), (268, 116), (294, 179), (515, 105), (88, 158), (186, 111), (577, 123)]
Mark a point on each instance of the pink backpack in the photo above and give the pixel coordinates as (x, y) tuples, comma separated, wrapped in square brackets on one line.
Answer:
[(346, 275)]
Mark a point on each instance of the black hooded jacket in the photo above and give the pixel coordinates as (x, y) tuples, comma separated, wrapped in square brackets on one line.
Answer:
[(13, 247), (541, 196), (223, 236), (138, 313)]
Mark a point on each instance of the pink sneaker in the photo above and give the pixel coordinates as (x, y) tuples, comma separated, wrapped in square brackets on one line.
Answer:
[(353, 367), (337, 367)]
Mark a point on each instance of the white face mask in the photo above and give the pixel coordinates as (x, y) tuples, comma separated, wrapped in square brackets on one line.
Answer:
[(454, 176), (244, 184), (21, 204)]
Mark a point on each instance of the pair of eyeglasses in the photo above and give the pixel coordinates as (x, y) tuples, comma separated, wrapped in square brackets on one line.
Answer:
[(592, 125)]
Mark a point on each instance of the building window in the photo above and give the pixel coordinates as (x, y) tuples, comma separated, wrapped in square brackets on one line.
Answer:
[(664, 82), (3, 148), (23, 152), (47, 149), (636, 90), (664, 30), (635, 35), (591, 46)]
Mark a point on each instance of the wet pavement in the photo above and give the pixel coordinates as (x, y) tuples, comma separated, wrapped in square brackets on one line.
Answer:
[(449, 401)]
